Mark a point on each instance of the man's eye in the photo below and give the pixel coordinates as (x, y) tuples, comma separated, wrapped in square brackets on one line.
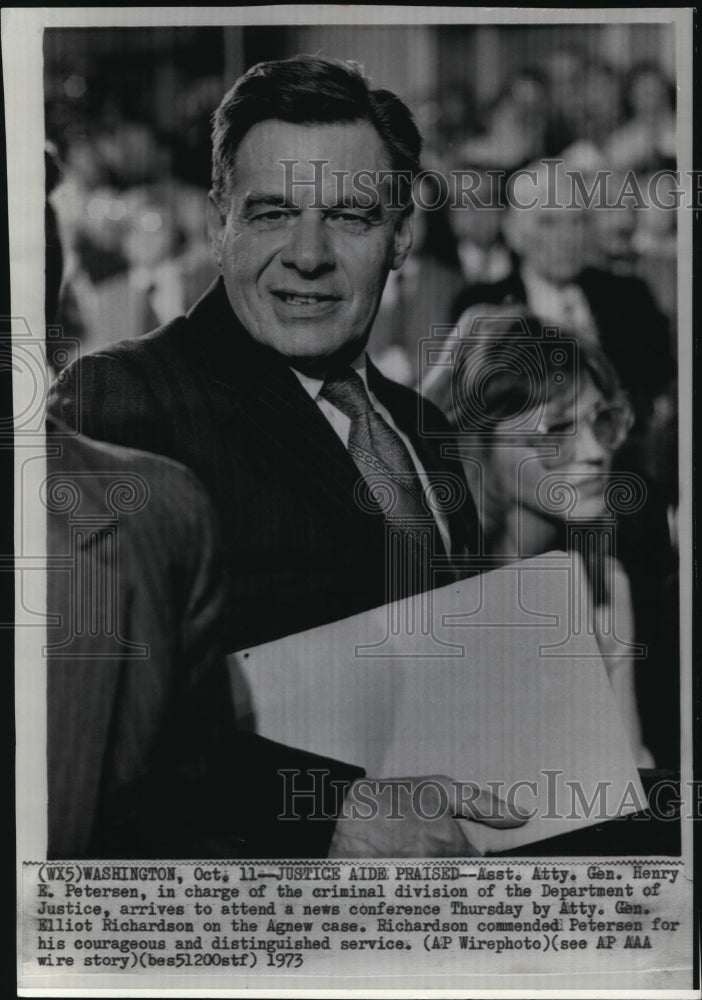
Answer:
[(564, 427), (272, 217), (350, 220)]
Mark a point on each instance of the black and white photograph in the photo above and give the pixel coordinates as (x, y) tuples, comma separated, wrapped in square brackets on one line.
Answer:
[(351, 352)]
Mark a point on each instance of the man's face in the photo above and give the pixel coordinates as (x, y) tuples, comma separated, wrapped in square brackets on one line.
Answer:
[(307, 280), (555, 242)]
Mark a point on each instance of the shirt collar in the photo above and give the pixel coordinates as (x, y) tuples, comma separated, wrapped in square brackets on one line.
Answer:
[(313, 386), (537, 284)]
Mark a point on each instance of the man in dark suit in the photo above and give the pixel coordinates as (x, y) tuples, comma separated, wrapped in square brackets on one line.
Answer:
[(301, 552), (264, 389), (550, 231), (630, 327)]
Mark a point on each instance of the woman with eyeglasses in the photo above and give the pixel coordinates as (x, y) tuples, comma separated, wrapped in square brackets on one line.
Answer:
[(539, 420)]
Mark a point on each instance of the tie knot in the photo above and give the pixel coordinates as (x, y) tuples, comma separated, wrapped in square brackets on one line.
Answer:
[(347, 392)]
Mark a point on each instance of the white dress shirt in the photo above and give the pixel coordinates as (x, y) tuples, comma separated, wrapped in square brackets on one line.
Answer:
[(565, 306)]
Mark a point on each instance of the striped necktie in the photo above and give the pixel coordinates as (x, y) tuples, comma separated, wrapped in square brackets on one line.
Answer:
[(379, 452)]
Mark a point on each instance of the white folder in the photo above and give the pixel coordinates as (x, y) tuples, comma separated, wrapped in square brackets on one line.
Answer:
[(495, 680)]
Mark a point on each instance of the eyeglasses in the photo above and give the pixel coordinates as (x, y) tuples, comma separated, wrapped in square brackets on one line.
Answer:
[(609, 423)]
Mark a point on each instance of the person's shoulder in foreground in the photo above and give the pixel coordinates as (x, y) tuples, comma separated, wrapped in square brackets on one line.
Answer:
[(144, 755)]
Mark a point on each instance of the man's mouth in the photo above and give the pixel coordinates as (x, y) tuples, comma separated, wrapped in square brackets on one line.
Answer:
[(296, 305), (304, 298)]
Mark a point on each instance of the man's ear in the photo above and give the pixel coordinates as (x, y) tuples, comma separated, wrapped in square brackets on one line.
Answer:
[(404, 230), (216, 223)]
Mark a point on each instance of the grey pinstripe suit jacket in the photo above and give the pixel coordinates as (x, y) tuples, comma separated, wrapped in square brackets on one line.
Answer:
[(143, 755)]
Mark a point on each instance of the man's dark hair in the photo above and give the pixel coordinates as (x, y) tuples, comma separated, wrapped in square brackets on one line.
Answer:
[(309, 90)]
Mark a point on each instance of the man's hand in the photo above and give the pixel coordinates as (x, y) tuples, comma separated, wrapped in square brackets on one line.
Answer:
[(415, 818)]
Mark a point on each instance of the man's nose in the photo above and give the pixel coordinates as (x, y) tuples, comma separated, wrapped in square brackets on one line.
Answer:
[(309, 249)]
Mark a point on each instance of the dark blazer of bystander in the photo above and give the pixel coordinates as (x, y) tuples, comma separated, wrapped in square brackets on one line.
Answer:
[(144, 757)]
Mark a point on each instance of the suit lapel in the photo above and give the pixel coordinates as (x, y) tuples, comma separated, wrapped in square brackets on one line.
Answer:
[(267, 395), (590, 283)]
